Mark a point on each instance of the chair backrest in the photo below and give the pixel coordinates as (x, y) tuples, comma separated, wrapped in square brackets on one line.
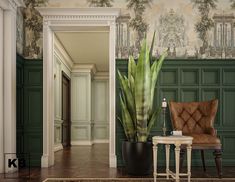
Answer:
[(193, 117)]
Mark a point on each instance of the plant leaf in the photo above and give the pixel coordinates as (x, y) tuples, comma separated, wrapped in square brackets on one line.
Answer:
[(129, 98), (156, 67), (142, 92), (153, 119), (152, 45), (127, 122)]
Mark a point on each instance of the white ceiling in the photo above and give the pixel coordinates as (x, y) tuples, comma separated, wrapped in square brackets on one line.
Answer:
[(87, 47)]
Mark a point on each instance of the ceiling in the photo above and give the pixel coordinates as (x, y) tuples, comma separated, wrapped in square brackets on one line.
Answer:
[(87, 47)]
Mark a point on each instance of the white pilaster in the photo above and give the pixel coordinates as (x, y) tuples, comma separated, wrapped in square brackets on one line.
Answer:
[(112, 91), (1, 92), (10, 81), (8, 77), (48, 97)]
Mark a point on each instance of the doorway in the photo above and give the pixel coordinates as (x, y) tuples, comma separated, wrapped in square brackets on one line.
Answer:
[(75, 19), (66, 118)]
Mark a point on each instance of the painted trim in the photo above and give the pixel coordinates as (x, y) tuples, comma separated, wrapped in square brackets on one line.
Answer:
[(55, 19), (100, 141), (101, 76), (86, 142), (8, 11), (85, 68), (58, 147), (62, 53)]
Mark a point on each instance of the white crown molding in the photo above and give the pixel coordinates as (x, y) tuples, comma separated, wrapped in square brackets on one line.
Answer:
[(9, 4), (50, 13), (60, 51), (84, 68), (101, 75)]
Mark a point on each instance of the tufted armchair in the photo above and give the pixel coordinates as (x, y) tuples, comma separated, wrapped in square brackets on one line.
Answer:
[(196, 119)]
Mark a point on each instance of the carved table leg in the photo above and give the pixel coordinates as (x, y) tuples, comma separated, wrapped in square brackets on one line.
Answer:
[(189, 150), (167, 160), (155, 162), (177, 163)]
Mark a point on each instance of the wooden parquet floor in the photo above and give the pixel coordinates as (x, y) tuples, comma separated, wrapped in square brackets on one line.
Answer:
[(92, 162)]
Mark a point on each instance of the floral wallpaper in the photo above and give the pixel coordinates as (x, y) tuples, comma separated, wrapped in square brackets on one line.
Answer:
[(20, 31), (188, 29)]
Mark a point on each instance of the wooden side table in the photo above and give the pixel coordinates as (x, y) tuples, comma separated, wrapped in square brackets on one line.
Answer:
[(177, 141)]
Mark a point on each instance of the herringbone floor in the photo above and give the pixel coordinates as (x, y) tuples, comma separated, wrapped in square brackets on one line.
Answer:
[(92, 162)]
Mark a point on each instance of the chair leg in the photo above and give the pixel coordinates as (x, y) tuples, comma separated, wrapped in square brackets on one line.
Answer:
[(182, 152), (203, 160), (218, 161)]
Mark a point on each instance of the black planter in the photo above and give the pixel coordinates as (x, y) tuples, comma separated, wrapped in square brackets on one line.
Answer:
[(138, 157)]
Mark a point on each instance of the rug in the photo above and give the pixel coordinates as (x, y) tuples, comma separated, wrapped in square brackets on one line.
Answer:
[(134, 180)]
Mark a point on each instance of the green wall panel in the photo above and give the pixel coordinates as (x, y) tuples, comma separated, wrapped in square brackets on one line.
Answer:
[(189, 76), (228, 107), (30, 109), (185, 80), (228, 76), (189, 94), (210, 76), (169, 77)]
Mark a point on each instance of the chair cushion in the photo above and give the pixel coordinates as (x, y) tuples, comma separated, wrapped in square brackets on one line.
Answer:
[(204, 139)]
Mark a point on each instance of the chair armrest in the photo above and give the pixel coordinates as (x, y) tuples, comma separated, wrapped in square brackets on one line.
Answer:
[(211, 131)]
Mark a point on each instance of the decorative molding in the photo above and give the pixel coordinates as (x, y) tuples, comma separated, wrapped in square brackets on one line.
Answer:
[(67, 19), (84, 68), (79, 13), (58, 147), (100, 141), (11, 4), (112, 160), (62, 53), (45, 161), (101, 76)]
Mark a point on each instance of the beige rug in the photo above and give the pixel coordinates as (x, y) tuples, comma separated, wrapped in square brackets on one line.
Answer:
[(134, 180)]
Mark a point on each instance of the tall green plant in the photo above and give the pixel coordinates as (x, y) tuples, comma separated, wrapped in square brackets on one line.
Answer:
[(137, 94)]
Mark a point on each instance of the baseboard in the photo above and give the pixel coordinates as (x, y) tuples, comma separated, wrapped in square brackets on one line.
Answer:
[(74, 143), (113, 161), (45, 161), (100, 141), (58, 147)]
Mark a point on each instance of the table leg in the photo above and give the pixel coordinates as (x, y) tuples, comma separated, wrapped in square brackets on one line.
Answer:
[(189, 149), (155, 162), (167, 160), (177, 163)]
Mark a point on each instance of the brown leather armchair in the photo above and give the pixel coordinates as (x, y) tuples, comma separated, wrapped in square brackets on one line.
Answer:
[(196, 119)]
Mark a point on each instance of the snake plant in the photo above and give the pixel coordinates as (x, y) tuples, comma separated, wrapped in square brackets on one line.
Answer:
[(137, 94)]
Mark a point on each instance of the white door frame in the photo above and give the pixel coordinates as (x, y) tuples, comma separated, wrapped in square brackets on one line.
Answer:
[(72, 19)]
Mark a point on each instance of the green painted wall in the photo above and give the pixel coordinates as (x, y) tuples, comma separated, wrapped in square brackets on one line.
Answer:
[(193, 80), (30, 109)]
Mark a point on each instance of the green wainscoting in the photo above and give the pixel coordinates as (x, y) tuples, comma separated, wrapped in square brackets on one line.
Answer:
[(193, 80), (30, 109)]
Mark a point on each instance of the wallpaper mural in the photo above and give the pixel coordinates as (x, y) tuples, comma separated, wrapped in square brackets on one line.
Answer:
[(188, 29), (20, 31)]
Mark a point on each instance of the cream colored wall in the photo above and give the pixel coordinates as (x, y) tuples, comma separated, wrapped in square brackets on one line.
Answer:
[(60, 64), (81, 109), (100, 110), (90, 108)]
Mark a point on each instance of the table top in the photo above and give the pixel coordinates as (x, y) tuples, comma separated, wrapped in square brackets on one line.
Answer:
[(172, 139)]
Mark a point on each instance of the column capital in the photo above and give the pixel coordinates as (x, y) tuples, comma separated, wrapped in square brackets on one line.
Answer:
[(11, 4)]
